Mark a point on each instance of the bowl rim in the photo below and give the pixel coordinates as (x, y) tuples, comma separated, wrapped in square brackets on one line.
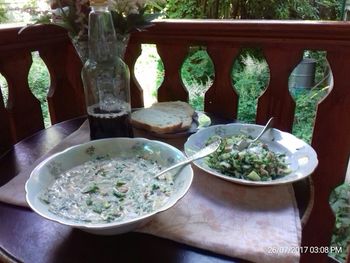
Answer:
[(112, 224)]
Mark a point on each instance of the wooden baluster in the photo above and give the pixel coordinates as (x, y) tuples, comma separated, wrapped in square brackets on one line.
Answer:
[(132, 53), (221, 98), (5, 131), (332, 145), (23, 108), (63, 103), (276, 101), (172, 87)]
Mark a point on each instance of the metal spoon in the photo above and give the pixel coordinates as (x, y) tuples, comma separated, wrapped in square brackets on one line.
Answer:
[(246, 143), (202, 153)]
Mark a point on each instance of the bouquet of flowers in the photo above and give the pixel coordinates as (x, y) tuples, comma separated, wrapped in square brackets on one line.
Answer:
[(128, 15)]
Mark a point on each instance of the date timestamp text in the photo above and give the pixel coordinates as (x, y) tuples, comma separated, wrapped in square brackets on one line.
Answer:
[(304, 249)]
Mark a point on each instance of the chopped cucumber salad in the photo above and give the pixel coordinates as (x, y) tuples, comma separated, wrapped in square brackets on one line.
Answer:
[(256, 163)]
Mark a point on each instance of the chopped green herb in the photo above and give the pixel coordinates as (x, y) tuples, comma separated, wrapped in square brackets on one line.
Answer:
[(155, 187), (106, 204), (120, 183), (97, 208), (118, 194), (90, 189), (88, 201)]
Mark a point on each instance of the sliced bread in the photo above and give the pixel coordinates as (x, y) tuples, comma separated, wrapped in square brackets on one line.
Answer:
[(179, 108), (178, 105), (181, 113), (156, 121), (164, 117)]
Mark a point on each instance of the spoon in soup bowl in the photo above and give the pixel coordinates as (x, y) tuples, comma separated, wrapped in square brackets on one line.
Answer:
[(200, 154)]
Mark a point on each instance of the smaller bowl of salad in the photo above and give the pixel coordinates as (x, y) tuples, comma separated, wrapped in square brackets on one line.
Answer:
[(276, 158), (108, 186)]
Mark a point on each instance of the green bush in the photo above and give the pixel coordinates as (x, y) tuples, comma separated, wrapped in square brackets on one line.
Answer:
[(183, 9), (340, 203), (196, 93), (306, 102), (243, 9), (250, 78), (198, 67), (3, 16)]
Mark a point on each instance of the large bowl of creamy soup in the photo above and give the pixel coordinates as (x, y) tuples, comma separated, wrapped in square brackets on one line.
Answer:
[(108, 186)]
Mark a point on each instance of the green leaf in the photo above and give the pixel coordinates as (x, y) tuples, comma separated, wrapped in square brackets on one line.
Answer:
[(93, 188), (44, 19), (119, 22)]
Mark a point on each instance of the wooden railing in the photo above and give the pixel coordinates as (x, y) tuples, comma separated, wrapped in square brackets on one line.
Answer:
[(282, 44), (23, 114)]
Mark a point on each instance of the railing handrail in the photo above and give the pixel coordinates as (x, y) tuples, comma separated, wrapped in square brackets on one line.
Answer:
[(30, 38), (191, 29), (247, 30)]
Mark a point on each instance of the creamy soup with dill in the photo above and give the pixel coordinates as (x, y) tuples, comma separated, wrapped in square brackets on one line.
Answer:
[(102, 191)]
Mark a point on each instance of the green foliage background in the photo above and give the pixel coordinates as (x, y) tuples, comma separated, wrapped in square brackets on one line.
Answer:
[(3, 17), (255, 9), (340, 203)]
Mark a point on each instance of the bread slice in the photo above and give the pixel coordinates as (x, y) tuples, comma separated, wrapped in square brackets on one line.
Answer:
[(178, 108), (156, 121), (181, 113), (178, 105), (164, 117)]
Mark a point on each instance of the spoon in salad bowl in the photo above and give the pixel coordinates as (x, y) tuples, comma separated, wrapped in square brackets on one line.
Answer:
[(244, 144), (211, 148)]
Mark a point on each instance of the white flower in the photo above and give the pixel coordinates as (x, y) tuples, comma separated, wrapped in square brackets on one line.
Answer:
[(58, 13)]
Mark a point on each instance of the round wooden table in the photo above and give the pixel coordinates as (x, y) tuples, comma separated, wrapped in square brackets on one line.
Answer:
[(27, 237)]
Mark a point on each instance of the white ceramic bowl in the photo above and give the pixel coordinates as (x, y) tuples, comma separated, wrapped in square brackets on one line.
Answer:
[(45, 173), (300, 157)]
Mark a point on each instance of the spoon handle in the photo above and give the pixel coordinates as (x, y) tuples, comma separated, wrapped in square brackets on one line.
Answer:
[(200, 154), (267, 127), (173, 167)]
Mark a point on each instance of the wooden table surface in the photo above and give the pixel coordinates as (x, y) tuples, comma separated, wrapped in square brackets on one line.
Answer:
[(27, 237)]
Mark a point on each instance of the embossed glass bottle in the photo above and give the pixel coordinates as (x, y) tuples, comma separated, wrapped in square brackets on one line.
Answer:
[(106, 78)]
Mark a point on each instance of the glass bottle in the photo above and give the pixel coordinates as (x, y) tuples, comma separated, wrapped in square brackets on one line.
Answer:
[(106, 78)]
